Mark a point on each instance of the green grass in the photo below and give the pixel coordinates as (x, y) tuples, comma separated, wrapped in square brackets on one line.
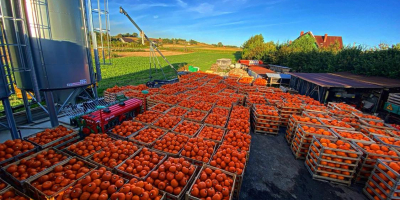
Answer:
[(135, 70)]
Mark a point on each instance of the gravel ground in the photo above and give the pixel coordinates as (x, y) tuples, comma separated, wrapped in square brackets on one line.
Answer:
[(274, 173)]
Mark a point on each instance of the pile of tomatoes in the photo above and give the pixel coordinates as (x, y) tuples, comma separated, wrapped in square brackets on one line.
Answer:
[(187, 128), (141, 164), (240, 141), (203, 106), (187, 103), (160, 107), (318, 115), (148, 116), (240, 112), (167, 122), (136, 189), (90, 144), (239, 125), (216, 119), (50, 135), (11, 194), (115, 153), (172, 175), (336, 123), (220, 111), (227, 102), (196, 115), (214, 184), (229, 159), (127, 128), (11, 148), (171, 143), (177, 111), (61, 176), (353, 135), (148, 135), (212, 133), (198, 149), (99, 184), (43, 160), (256, 99)]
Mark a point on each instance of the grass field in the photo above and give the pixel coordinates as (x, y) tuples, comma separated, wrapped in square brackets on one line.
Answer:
[(135, 70)]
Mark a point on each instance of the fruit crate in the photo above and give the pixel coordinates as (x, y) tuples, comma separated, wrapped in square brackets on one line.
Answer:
[(148, 144), (120, 137), (371, 123), (367, 117), (149, 112), (79, 156), (394, 132), (326, 122), (314, 108), (370, 131), (226, 110), (234, 101), (190, 136), (241, 98), (157, 108), (170, 111), (54, 142), (385, 179), (198, 120), (338, 131), (344, 107), (19, 184), (285, 118), (20, 156), (38, 194), (352, 121), (129, 176), (174, 155), (269, 127), (384, 140), (168, 116), (368, 160), (199, 162), (214, 140), (302, 140), (182, 195), (68, 143), (15, 191), (338, 169), (320, 115), (5, 184), (188, 195), (209, 115), (110, 97), (292, 127)]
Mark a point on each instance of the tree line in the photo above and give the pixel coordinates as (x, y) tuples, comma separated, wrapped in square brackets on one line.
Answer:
[(303, 55)]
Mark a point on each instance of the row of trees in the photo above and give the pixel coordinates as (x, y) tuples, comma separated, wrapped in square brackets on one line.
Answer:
[(302, 55)]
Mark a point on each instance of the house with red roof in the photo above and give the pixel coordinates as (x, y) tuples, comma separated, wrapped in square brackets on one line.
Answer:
[(324, 41)]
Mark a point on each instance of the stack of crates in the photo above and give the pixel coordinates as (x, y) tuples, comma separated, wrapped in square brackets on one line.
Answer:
[(303, 138), (335, 162), (294, 120), (369, 159), (384, 182), (285, 110), (266, 119)]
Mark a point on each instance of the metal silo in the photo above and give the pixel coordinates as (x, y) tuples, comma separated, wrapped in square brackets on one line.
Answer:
[(52, 56)]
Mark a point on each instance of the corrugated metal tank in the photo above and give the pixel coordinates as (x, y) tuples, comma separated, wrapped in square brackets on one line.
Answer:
[(57, 33)]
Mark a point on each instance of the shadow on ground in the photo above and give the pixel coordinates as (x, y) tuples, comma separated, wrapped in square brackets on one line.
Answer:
[(273, 173)]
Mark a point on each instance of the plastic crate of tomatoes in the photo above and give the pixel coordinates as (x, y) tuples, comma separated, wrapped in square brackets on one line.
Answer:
[(52, 137), (140, 164), (174, 176), (99, 184), (177, 111), (18, 172), (171, 143), (203, 186), (12, 193), (56, 179), (89, 145), (148, 117), (160, 107), (126, 129), (212, 133), (187, 104), (167, 122), (217, 120), (13, 150), (147, 136), (221, 111)]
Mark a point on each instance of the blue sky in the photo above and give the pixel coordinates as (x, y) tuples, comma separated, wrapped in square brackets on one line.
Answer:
[(233, 21)]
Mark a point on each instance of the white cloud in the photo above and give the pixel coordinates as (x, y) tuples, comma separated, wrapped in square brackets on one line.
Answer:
[(204, 8), (155, 16), (230, 23), (181, 3), (147, 6)]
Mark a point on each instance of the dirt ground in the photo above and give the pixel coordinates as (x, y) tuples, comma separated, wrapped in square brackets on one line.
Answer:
[(146, 54), (273, 173)]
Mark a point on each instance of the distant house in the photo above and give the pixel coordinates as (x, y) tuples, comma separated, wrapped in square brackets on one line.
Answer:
[(324, 41)]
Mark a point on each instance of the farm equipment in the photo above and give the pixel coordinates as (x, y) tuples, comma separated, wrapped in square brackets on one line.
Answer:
[(106, 118)]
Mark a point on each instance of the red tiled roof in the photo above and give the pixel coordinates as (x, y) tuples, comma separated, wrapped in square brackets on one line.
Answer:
[(330, 40), (260, 70)]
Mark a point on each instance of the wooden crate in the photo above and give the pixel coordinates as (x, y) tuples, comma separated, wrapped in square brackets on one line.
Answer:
[(292, 128), (322, 168), (302, 140)]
